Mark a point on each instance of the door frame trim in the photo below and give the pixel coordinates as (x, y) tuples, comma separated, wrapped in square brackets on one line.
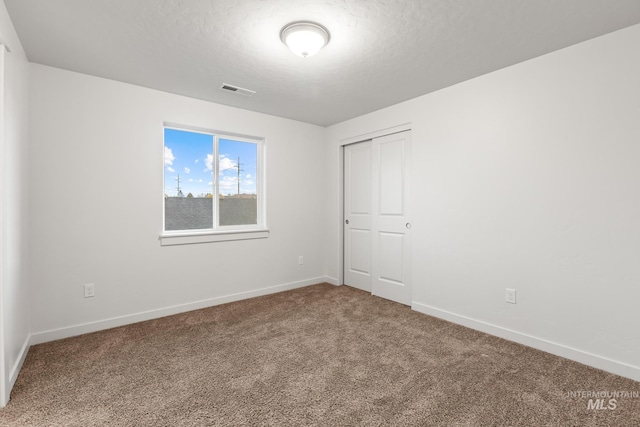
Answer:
[(348, 141)]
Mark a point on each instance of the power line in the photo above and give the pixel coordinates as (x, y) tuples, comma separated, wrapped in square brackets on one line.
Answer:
[(178, 187), (239, 170)]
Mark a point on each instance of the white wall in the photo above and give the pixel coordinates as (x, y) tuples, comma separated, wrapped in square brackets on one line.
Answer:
[(524, 178), (527, 178), (96, 207), (14, 290)]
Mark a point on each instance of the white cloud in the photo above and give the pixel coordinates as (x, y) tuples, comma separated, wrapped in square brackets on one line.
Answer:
[(248, 176), (170, 169), (201, 180), (187, 170), (226, 163), (197, 160), (229, 184), (168, 156), (190, 180)]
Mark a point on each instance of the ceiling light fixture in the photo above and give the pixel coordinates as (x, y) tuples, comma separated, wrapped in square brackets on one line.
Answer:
[(304, 38)]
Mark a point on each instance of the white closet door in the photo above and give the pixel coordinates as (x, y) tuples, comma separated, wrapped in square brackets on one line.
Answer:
[(391, 223), (357, 213), (377, 217)]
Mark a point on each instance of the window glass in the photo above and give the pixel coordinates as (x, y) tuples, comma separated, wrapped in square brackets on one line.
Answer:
[(238, 196), (188, 161), (193, 200)]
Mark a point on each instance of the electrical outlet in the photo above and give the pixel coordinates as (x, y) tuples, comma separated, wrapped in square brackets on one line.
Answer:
[(510, 296), (89, 290), (300, 260)]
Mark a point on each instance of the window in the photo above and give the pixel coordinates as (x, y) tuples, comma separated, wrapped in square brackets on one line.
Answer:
[(213, 187)]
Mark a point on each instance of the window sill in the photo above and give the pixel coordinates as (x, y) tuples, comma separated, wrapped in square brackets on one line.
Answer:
[(185, 238)]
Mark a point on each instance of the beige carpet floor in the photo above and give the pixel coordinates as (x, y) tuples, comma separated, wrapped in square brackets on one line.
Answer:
[(320, 355)]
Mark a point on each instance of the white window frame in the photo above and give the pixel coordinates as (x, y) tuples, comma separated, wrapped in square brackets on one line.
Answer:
[(229, 232)]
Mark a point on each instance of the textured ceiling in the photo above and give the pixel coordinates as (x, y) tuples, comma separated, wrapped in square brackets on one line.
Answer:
[(381, 52)]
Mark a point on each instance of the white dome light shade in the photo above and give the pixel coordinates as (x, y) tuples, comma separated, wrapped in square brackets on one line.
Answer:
[(304, 38)]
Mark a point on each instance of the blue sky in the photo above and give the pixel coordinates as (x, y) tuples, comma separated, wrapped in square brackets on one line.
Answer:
[(190, 154)]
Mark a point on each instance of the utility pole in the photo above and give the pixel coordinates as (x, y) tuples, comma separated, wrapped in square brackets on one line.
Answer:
[(178, 188), (239, 170)]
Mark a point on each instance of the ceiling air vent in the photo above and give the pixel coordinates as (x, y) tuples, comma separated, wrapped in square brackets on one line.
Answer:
[(236, 89)]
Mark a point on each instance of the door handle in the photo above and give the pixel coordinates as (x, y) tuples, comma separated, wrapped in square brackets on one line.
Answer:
[(346, 222), (408, 225)]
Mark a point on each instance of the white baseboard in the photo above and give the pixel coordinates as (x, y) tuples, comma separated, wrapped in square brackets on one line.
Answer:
[(332, 280), (85, 328), (599, 362), (13, 373), (15, 369)]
